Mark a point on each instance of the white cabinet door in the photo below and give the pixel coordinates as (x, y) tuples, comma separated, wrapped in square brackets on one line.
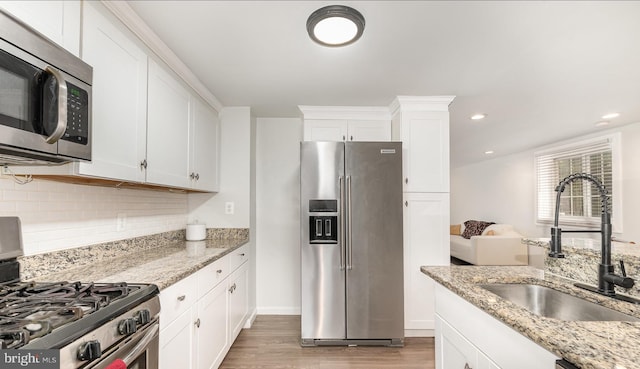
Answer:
[(425, 141), (205, 147), (167, 129), (325, 130), (212, 328), (119, 121), (59, 20), (238, 288), (453, 350), (346, 130), (426, 242), (176, 342), (369, 130)]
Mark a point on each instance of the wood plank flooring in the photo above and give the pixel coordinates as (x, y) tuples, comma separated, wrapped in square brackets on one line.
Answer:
[(273, 342)]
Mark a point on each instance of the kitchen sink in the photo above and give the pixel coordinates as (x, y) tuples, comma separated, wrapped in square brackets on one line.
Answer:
[(549, 303)]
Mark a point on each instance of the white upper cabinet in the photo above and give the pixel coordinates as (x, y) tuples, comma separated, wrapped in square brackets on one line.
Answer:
[(204, 145), (119, 124), (422, 124), (59, 20), (347, 130), (168, 114), (345, 123)]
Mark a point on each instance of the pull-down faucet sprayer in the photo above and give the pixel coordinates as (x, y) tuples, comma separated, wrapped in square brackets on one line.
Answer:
[(607, 279)]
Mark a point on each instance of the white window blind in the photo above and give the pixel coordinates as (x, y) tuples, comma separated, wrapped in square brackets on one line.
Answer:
[(580, 203)]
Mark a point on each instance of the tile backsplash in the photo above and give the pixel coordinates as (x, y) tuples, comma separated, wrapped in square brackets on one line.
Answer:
[(59, 215)]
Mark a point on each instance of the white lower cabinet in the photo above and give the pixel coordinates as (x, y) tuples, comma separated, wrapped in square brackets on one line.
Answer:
[(197, 334), (469, 338), (426, 242)]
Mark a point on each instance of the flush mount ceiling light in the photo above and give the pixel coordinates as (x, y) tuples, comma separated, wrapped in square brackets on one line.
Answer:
[(478, 116), (335, 25)]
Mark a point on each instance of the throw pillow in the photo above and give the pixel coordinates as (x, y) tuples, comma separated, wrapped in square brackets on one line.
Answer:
[(491, 232), (455, 229), (474, 228)]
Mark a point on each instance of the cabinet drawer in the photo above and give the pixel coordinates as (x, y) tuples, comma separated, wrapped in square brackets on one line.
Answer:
[(212, 274), (177, 298), (238, 257)]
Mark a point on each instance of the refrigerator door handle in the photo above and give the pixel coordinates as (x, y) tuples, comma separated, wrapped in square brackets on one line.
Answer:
[(348, 233), (341, 230)]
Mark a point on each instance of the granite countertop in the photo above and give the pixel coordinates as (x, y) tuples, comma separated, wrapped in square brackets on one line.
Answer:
[(587, 344), (163, 265)]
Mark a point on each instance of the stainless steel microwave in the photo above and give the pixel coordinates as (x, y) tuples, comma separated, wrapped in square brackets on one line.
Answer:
[(45, 99)]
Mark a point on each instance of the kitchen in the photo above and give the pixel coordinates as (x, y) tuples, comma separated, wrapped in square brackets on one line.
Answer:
[(261, 176)]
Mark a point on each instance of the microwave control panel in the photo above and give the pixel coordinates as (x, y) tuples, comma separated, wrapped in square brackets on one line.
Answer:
[(77, 115)]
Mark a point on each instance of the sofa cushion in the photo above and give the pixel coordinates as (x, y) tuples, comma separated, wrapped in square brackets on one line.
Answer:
[(501, 230), (474, 228), (455, 229)]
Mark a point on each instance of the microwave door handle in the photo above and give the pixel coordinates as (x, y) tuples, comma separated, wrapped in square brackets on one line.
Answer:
[(61, 127)]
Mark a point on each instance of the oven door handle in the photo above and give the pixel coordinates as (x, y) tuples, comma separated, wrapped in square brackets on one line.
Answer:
[(141, 346)]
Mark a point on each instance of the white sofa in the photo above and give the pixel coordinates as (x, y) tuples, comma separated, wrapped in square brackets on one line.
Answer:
[(503, 247)]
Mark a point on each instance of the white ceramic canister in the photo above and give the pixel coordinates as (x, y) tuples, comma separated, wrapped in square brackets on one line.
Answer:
[(196, 232)]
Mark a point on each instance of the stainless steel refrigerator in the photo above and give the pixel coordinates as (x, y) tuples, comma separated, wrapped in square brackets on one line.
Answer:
[(351, 243)]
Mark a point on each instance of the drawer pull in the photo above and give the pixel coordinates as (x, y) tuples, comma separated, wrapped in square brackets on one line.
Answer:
[(242, 255), (197, 323), (219, 271), (466, 366), (182, 297)]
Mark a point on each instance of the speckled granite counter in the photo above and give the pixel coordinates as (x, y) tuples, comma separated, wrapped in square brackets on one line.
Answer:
[(161, 261), (582, 256), (590, 345)]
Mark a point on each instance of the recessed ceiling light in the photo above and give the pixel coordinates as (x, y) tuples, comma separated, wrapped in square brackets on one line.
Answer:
[(610, 115), (488, 152), (602, 123), (335, 25), (478, 116)]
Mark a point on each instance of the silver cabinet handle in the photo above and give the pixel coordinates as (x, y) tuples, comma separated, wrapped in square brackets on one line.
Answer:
[(192, 175), (351, 138), (219, 271), (242, 255), (197, 176), (406, 180), (61, 126), (344, 138), (143, 164), (466, 366), (406, 203), (197, 323), (181, 297)]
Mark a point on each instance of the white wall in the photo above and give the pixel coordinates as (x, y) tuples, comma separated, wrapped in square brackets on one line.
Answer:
[(235, 175), (58, 216), (503, 189), (278, 215)]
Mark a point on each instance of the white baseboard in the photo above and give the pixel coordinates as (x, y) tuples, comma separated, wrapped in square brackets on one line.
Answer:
[(252, 318), (419, 333), (278, 310)]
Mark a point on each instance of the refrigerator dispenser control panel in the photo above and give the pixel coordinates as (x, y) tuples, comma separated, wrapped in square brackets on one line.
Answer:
[(323, 228)]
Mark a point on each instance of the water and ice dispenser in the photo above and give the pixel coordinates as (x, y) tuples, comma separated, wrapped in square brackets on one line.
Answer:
[(323, 221)]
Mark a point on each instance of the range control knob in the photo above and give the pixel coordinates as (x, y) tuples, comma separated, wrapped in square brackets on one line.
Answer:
[(127, 326), (143, 317), (89, 351)]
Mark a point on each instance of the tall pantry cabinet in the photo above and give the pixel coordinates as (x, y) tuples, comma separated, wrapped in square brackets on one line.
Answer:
[(422, 124)]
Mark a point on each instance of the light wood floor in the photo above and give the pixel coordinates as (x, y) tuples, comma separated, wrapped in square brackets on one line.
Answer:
[(273, 342)]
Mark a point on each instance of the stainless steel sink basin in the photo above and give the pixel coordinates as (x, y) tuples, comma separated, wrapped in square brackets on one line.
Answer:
[(554, 304)]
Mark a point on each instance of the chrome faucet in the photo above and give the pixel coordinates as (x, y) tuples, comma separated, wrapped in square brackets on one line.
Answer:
[(607, 279)]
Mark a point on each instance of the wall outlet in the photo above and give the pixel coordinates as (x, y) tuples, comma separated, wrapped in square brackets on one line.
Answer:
[(121, 222), (229, 207)]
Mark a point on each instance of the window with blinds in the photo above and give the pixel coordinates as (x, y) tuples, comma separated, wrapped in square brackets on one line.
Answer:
[(580, 203)]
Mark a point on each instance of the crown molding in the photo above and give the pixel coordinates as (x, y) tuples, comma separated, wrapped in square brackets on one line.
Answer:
[(420, 103), (345, 112), (131, 20)]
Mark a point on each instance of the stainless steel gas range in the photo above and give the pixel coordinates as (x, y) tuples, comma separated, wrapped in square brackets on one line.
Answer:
[(93, 325)]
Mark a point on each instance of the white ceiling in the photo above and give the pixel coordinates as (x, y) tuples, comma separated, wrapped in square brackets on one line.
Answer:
[(543, 71)]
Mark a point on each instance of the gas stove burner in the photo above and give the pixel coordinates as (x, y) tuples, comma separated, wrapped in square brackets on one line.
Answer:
[(30, 310)]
